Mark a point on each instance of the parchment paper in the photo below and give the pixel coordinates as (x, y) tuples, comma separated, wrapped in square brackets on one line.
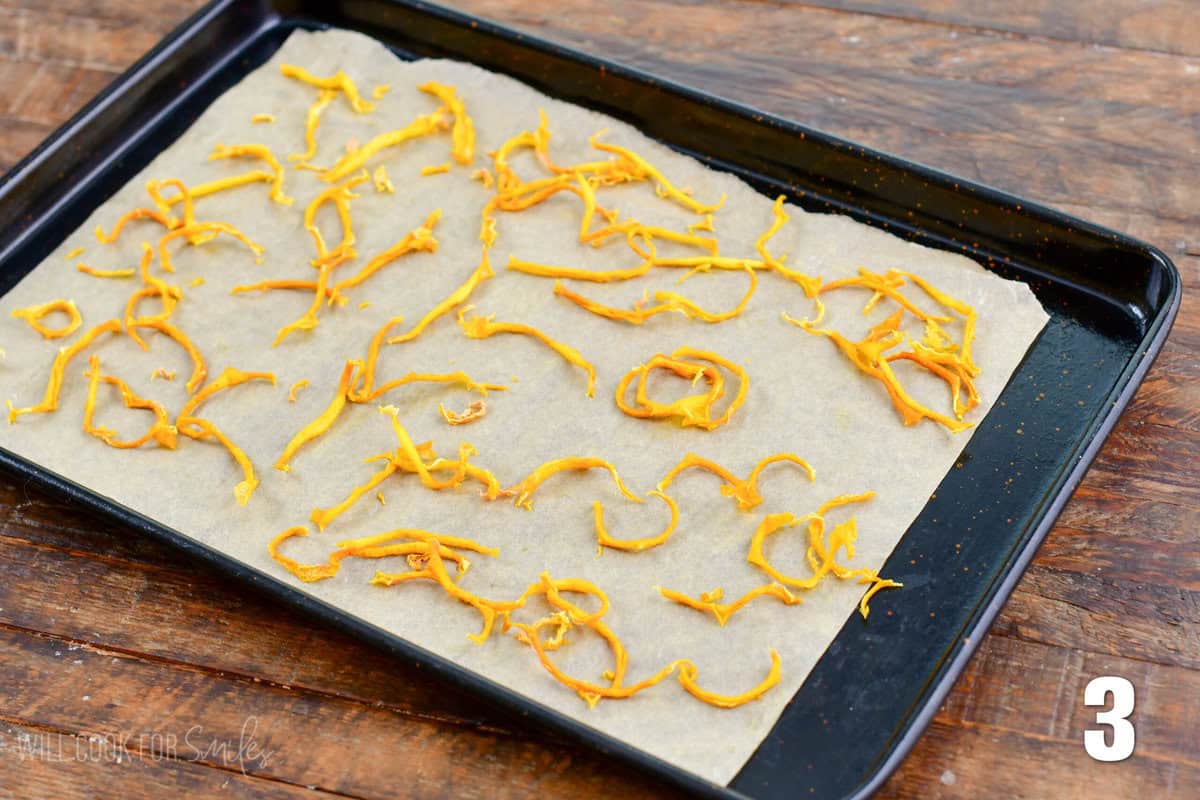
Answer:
[(804, 396)]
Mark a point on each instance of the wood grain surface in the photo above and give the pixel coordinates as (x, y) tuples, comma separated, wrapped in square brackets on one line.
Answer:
[(131, 671)]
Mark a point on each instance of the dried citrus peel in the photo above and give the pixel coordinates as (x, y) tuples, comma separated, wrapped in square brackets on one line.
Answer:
[(312, 119), (201, 228), (640, 169), (694, 410), (710, 602), (340, 196), (456, 298), (308, 320), (259, 151), (295, 388), (603, 539), (65, 354), (136, 214), (479, 327), (869, 356), (745, 492), (322, 517), (475, 411), (245, 488), (691, 410), (162, 431), (810, 285), (688, 675), (228, 379), (338, 82), (666, 301), (128, 272), (186, 195), (822, 551), (463, 133), (199, 369), (524, 489), (452, 378), (34, 314), (324, 420), (353, 161), (419, 240), (592, 693), (435, 569)]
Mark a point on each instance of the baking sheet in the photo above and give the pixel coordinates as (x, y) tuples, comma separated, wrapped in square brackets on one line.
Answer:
[(804, 397)]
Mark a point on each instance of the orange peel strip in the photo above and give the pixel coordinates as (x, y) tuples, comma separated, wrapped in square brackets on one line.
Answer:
[(479, 327), (229, 378), (262, 152), (454, 378), (340, 195), (882, 286), (643, 170), (305, 572), (672, 301), (688, 675), (312, 119), (709, 602), (821, 558), (635, 316), (463, 133), (285, 283), (743, 382), (322, 517), (421, 126), (339, 82), (34, 314), (308, 320), (200, 228), (692, 410), (435, 169), (435, 569), (162, 431), (418, 240), (868, 356), (408, 458), (136, 214), (592, 693), (604, 540), (475, 411), (456, 298), (245, 488), (296, 387), (968, 312), (578, 273), (129, 272), (524, 489), (187, 194), (810, 285), (323, 422), (552, 589), (745, 492), (65, 354), (199, 369)]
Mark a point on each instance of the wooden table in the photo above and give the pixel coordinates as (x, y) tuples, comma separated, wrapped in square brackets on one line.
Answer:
[(138, 672)]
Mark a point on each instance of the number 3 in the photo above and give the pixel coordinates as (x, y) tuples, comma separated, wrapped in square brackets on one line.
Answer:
[(1096, 694)]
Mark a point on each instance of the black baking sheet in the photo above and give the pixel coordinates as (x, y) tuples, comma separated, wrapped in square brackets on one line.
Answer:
[(1111, 300)]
